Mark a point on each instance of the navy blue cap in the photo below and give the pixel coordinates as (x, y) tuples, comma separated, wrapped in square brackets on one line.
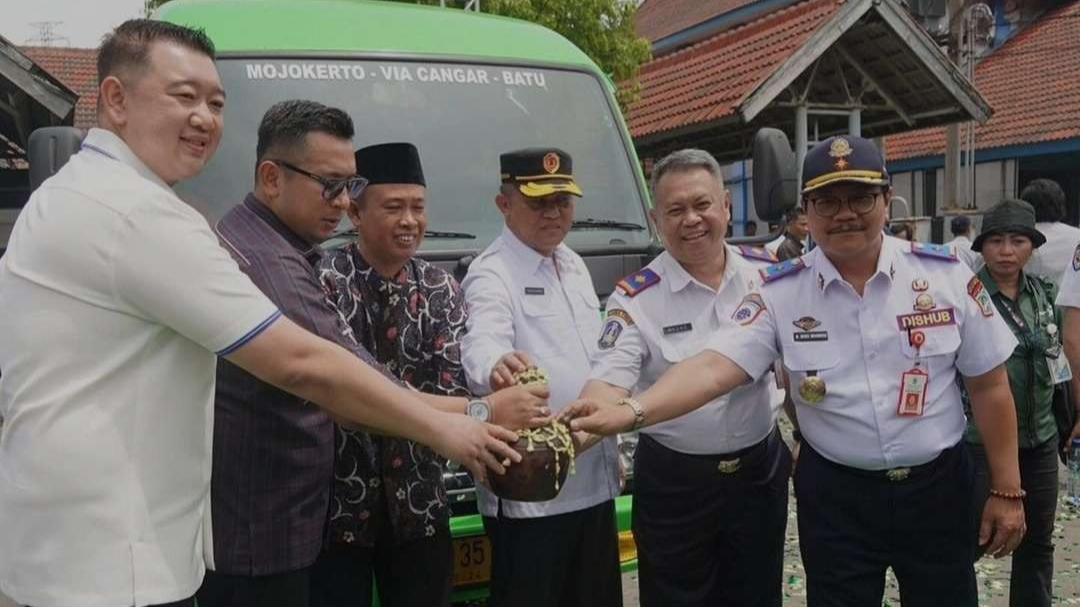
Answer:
[(843, 158)]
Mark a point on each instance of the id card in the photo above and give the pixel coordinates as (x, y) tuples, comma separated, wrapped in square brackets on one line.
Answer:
[(1060, 371), (913, 385)]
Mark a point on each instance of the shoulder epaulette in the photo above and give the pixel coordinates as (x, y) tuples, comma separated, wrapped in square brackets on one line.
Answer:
[(758, 253), (638, 282), (937, 251), (782, 269)]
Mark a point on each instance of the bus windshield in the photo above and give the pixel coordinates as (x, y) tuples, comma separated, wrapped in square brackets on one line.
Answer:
[(461, 117)]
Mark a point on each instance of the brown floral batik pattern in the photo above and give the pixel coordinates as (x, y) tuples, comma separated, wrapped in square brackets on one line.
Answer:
[(412, 323)]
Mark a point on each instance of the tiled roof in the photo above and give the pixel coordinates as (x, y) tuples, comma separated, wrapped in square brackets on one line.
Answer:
[(657, 19), (1032, 82), (706, 82), (77, 69)]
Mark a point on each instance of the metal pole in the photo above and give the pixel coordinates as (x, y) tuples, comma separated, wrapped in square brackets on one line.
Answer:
[(952, 131), (854, 123), (800, 141)]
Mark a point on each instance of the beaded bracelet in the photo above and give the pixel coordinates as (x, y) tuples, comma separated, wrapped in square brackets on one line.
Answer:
[(1009, 496)]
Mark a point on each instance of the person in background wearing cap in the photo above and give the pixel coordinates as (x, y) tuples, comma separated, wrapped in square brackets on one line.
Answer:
[(872, 332), (1053, 259), (274, 452), (1026, 302), (389, 518), (531, 302), (960, 226), (711, 487)]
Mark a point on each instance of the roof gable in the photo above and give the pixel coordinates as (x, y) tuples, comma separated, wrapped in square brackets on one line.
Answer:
[(77, 69)]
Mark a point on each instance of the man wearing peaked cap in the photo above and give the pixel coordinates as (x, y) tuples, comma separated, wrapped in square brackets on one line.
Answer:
[(872, 333), (531, 301), (389, 517)]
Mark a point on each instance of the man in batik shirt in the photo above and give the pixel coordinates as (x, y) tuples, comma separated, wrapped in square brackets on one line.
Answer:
[(389, 514)]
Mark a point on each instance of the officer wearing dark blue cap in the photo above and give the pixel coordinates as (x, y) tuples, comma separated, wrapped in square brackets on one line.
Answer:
[(873, 333)]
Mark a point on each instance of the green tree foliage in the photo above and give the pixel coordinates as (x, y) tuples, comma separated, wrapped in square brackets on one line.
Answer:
[(602, 29)]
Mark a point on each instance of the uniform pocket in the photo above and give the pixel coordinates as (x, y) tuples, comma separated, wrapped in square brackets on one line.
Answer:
[(806, 360)]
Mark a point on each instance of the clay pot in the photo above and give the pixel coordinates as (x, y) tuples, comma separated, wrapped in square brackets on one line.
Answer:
[(533, 478)]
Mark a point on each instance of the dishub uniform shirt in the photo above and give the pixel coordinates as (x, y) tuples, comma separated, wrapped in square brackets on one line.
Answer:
[(115, 297), (669, 320), (273, 451), (546, 307), (808, 315), (413, 323)]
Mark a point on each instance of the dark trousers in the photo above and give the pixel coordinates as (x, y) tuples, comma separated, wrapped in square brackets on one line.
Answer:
[(565, 560), (280, 590), (1031, 584), (706, 537), (411, 574), (854, 524)]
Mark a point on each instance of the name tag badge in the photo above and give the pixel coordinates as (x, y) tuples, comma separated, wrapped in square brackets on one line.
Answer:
[(534, 290), (673, 329), (913, 383), (1060, 371)]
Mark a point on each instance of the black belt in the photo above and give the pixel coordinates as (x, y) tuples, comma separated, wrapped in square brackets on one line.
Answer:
[(726, 463), (895, 475)]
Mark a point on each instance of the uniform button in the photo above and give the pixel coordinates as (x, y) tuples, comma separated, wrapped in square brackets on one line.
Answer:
[(872, 355)]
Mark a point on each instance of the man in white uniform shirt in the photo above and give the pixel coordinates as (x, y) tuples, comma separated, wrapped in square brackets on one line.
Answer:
[(1054, 258), (531, 300), (1069, 300), (710, 487), (960, 226), (117, 300), (873, 333)]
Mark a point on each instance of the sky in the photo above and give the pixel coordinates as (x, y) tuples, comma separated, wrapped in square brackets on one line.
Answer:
[(82, 22)]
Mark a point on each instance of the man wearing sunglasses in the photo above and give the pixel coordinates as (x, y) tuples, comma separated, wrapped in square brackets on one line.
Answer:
[(873, 333), (273, 451)]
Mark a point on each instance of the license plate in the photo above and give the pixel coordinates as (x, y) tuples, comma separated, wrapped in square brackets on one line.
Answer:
[(472, 560)]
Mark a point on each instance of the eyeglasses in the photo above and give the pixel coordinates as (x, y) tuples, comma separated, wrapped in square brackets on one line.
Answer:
[(829, 206), (332, 186), (540, 205)]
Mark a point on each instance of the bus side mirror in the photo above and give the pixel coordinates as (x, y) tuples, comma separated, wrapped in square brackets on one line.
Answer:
[(49, 149), (775, 182)]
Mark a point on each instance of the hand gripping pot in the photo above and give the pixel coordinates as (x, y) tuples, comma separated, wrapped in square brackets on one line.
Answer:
[(547, 456)]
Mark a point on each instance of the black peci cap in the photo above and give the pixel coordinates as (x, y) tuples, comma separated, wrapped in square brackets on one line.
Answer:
[(539, 172), (390, 163)]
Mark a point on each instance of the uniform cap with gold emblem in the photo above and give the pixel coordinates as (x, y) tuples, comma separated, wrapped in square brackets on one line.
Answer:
[(843, 158), (539, 172)]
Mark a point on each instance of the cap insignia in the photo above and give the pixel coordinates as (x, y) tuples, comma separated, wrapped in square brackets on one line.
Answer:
[(551, 162), (840, 148)]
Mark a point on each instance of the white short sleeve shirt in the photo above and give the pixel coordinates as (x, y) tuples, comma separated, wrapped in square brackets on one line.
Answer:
[(115, 297), (546, 307), (671, 319), (861, 347)]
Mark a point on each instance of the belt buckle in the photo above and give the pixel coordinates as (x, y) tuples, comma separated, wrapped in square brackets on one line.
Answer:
[(729, 466), (898, 474)]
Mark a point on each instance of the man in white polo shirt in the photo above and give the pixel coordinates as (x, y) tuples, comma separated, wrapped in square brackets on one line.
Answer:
[(116, 299)]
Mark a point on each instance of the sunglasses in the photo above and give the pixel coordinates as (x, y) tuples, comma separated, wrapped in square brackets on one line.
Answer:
[(332, 186)]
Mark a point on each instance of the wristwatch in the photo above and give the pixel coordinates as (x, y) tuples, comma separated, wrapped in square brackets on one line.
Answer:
[(639, 413), (478, 409)]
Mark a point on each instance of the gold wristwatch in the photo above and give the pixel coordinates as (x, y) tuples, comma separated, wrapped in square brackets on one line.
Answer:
[(639, 413)]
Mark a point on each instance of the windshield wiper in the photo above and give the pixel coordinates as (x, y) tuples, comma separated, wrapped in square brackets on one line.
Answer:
[(589, 223), (427, 234)]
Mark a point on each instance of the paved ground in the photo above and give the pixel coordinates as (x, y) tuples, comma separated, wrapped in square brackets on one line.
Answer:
[(993, 575)]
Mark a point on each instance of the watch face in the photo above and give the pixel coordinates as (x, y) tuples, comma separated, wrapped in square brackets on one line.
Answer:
[(478, 410)]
